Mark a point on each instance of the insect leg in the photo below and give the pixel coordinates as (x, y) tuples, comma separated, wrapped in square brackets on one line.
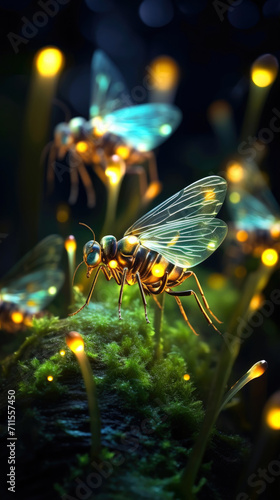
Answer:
[(121, 291), (184, 313), (160, 289), (90, 292), (191, 273), (106, 273), (143, 296), (74, 181), (86, 180), (187, 293)]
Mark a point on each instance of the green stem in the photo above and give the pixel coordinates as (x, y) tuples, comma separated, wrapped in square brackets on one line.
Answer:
[(112, 201), (158, 317)]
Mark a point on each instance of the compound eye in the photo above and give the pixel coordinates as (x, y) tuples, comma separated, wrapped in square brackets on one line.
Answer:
[(93, 258)]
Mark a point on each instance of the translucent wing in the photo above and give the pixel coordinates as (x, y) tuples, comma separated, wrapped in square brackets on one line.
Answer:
[(144, 127), (33, 291), (183, 228), (250, 213), (34, 281), (108, 88)]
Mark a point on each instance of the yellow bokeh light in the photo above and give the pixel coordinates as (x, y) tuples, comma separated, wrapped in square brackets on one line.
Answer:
[(17, 317), (269, 257), (50, 378), (115, 169), (62, 352), (31, 303), (52, 290), (275, 231), (234, 197), (123, 152), (113, 264), (70, 244), (187, 376), (49, 61), (153, 190), (81, 147), (99, 127), (273, 418), (256, 301), (264, 70), (158, 270), (242, 235), (235, 172), (62, 213), (164, 72), (75, 342), (216, 281)]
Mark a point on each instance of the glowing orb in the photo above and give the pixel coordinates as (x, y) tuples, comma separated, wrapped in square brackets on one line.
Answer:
[(49, 61)]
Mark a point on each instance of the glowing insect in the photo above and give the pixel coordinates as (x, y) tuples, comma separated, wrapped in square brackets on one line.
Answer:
[(159, 249), (115, 128), (31, 284)]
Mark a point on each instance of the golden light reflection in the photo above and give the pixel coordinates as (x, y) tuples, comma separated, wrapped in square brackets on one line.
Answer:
[(62, 352), (49, 61), (81, 147), (113, 264), (256, 301), (115, 170), (186, 377), (242, 235), (70, 244), (123, 152), (50, 378)]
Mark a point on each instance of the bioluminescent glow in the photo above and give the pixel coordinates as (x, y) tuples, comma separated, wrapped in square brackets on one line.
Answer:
[(269, 257), (264, 70), (49, 61)]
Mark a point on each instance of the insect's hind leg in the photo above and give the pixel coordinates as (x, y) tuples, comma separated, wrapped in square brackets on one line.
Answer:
[(187, 293), (121, 291), (184, 313), (142, 295), (191, 273)]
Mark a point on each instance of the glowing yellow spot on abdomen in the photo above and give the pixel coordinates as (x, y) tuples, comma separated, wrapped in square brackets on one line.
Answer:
[(158, 270)]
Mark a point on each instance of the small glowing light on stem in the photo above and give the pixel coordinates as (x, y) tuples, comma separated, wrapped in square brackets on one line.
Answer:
[(75, 342), (235, 172), (255, 371), (158, 270), (269, 257), (81, 147), (62, 352), (115, 170), (264, 70), (186, 376), (17, 317), (242, 235), (164, 73), (153, 190), (62, 213), (49, 61), (50, 378), (256, 301), (70, 244)]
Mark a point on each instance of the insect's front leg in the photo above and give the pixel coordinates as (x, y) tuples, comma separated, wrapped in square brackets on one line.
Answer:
[(121, 290)]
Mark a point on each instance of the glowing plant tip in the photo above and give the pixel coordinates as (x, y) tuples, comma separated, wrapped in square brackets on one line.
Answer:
[(256, 302), (62, 213), (264, 70), (235, 172), (255, 371), (186, 376), (273, 419), (62, 352), (75, 342), (123, 152), (17, 317), (242, 235), (158, 270), (153, 190), (113, 264), (52, 290), (81, 147), (269, 257), (50, 378), (234, 197), (115, 169), (164, 72), (275, 231), (70, 244), (49, 61)]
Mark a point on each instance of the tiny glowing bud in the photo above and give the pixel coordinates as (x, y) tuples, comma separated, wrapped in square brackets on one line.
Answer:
[(164, 72), (123, 152), (49, 61), (187, 376), (235, 172), (62, 352), (269, 257), (115, 169), (132, 240), (113, 264), (271, 413), (62, 213), (158, 270), (52, 290), (256, 301), (241, 235), (81, 147), (70, 244), (153, 190), (17, 317), (275, 231), (234, 197), (257, 370), (264, 70), (75, 342), (50, 378)]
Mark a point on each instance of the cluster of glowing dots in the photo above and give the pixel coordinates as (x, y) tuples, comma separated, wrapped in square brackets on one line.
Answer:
[(264, 70), (269, 257), (49, 62), (235, 172)]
